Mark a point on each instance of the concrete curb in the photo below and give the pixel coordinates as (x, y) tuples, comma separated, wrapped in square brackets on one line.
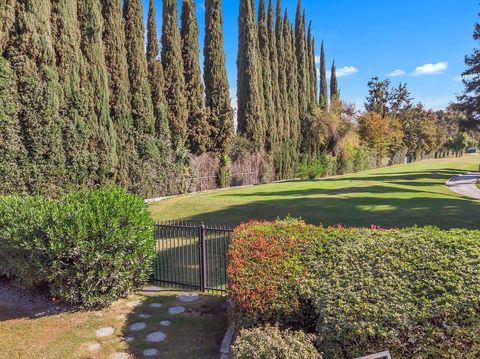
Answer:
[(227, 343)]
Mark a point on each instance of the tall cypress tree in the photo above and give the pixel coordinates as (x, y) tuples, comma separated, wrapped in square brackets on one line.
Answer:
[(273, 57), (156, 77), (142, 107), (77, 132), (323, 81), (95, 80), (7, 19), (312, 67), (282, 70), (251, 110), (301, 54), (217, 96), (292, 83), (119, 86), (264, 52), (334, 91), (198, 127), (32, 59), (173, 71)]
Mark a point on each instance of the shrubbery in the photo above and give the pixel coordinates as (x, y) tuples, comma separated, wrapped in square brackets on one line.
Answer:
[(88, 248), (415, 291), (270, 342)]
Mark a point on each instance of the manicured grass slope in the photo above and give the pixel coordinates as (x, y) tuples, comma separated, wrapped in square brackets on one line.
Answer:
[(399, 196)]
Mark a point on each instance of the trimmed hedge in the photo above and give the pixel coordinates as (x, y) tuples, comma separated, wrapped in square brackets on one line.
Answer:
[(270, 342), (88, 248), (415, 291)]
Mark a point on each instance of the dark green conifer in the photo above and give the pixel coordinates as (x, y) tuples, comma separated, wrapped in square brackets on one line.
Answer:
[(334, 91), (312, 67), (94, 78), (282, 71), (264, 52), (217, 95), (32, 58), (251, 110), (198, 127), (77, 131), (323, 81), (274, 66), (301, 54), (119, 85), (7, 19), (177, 112), (156, 77)]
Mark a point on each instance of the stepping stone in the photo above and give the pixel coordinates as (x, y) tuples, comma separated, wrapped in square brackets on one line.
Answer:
[(128, 339), (104, 332), (120, 355), (176, 310), (134, 304), (166, 323), (188, 297), (93, 347), (135, 327), (155, 305), (144, 316), (156, 337), (150, 352)]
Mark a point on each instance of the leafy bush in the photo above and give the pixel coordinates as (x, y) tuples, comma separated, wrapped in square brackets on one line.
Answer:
[(415, 291), (270, 342), (310, 168), (88, 248)]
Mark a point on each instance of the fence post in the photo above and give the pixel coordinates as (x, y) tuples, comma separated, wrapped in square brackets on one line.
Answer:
[(203, 259)]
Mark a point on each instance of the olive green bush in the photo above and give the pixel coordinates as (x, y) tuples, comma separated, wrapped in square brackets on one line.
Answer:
[(270, 342), (88, 248), (415, 291)]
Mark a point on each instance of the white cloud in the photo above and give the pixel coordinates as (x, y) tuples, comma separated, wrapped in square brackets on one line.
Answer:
[(317, 59), (397, 73), (439, 103), (346, 71), (431, 69)]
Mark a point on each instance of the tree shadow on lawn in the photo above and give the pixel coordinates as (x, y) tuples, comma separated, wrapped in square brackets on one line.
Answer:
[(444, 212), (195, 333)]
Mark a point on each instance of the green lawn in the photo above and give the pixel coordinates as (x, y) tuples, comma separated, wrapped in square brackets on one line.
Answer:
[(399, 196)]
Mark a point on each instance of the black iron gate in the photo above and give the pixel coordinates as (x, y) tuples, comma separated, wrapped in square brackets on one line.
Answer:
[(191, 256)]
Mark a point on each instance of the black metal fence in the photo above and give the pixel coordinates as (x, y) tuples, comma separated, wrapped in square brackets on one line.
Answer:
[(191, 256)]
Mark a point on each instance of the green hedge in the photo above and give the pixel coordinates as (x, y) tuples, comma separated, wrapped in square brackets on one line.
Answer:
[(88, 248), (270, 342), (415, 291)]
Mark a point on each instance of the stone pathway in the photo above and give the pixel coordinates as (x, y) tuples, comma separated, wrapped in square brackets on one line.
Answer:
[(466, 185), (151, 337)]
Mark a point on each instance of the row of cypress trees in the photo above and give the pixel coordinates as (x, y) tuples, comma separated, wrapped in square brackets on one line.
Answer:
[(278, 97), (83, 103)]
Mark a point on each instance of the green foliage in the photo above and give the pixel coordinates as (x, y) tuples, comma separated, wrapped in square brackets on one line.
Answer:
[(251, 105), (177, 111), (323, 81), (270, 342), (334, 91), (300, 50), (414, 291), (310, 168), (88, 248)]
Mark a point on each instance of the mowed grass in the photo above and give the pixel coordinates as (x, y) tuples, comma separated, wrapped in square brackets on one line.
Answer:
[(398, 196)]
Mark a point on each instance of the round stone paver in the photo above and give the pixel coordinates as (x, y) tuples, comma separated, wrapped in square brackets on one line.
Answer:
[(104, 332), (93, 347), (137, 326), (166, 323), (144, 316), (150, 352), (188, 297), (176, 310), (156, 337), (155, 305), (121, 355)]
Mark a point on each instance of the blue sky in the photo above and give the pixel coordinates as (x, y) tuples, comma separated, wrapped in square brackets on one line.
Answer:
[(422, 41)]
